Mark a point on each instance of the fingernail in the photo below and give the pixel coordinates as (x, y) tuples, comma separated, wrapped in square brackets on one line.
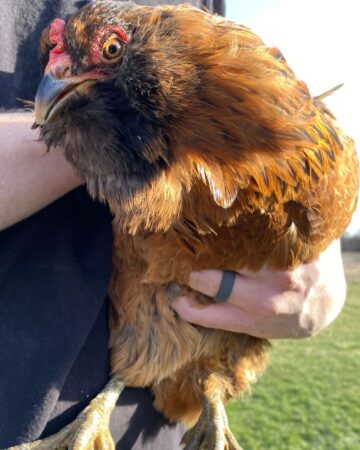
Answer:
[(173, 291)]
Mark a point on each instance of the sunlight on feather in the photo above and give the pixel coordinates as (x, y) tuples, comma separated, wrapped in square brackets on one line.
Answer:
[(320, 42)]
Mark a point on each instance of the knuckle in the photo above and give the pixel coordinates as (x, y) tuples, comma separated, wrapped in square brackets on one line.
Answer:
[(309, 324), (294, 281)]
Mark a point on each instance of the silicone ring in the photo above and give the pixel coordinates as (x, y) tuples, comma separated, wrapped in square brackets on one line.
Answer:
[(226, 286)]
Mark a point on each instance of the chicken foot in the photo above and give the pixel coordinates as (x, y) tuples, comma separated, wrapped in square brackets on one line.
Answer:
[(90, 429), (211, 431)]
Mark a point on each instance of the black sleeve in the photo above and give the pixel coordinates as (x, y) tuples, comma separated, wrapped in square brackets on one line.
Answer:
[(54, 274)]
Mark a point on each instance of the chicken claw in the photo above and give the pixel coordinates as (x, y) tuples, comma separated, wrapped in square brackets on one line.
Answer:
[(211, 432), (90, 429)]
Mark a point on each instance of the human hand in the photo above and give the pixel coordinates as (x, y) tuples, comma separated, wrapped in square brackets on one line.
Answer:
[(290, 304)]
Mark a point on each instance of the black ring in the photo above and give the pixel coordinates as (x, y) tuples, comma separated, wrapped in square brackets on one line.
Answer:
[(226, 286)]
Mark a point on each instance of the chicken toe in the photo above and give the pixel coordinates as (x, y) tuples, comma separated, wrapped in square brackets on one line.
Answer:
[(211, 432), (90, 429)]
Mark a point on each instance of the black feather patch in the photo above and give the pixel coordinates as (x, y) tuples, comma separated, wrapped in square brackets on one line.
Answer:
[(114, 148)]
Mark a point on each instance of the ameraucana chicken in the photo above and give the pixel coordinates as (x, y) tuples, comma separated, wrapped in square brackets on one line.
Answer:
[(211, 154)]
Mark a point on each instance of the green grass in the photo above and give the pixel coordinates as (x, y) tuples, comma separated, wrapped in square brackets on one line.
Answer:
[(309, 398)]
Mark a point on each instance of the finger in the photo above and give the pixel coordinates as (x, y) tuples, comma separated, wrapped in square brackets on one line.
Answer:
[(232, 318), (252, 295), (219, 316), (206, 281)]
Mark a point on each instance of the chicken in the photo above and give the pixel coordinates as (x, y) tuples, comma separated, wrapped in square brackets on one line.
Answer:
[(211, 154)]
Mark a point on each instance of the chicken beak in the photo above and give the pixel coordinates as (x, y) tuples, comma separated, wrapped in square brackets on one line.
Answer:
[(53, 94)]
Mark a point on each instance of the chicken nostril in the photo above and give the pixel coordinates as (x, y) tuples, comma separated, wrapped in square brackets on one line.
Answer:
[(61, 71)]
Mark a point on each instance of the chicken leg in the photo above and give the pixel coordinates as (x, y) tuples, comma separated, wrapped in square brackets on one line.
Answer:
[(90, 429), (211, 431)]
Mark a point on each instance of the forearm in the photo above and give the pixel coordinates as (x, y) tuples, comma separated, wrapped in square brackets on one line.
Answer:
[(30, 178)]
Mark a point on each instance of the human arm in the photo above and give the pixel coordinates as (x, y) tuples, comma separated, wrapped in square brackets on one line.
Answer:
[(290, 304), (30, 178)]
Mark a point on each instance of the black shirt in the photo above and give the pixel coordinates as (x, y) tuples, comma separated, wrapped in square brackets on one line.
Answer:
[(54, 273)]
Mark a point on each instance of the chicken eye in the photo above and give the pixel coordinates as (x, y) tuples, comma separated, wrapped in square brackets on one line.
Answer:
[(112, 50)]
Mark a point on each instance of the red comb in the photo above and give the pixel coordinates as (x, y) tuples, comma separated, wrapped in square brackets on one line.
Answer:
[(57, 29), (57, 56)]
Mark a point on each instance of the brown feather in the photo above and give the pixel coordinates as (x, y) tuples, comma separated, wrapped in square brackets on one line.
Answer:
[(262, 176)]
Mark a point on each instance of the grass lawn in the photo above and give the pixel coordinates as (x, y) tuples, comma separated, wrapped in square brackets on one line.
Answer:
[(309, 398)]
